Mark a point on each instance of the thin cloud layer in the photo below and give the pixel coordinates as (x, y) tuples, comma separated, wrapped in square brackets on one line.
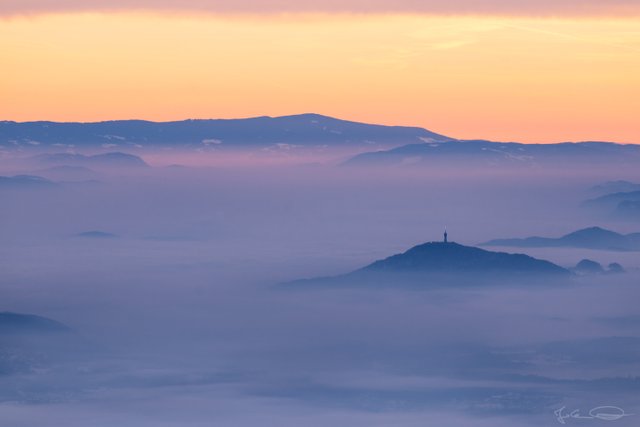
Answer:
[(491, 7)]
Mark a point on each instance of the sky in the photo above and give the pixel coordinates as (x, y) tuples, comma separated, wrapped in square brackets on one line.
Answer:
[(530, 71)]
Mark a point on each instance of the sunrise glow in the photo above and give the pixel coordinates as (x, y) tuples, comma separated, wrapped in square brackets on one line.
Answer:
[(522, 78)]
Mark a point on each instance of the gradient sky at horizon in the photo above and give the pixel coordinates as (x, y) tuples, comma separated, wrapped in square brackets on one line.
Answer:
[(527, 71)]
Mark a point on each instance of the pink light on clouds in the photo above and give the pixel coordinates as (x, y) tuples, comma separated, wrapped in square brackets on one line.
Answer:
[(489, 7)]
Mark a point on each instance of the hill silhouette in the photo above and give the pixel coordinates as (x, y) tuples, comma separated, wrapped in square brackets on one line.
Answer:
[(17, 323), (25, 181), (113, 159), (30, 343), (588, 238), (448, 262), (96, 234), (612, 200), (489, 153), (456, 258), (302, 129)]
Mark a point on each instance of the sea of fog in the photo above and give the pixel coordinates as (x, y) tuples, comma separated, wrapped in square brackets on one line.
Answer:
[(173, 291)]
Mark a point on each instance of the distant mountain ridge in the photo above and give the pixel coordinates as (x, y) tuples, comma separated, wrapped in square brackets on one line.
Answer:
[(303, 129), (379, 145), (611, 187), (28, 323), (482, 152), (96, 234), (589, 267), (106, 160), (623, 205), (30, 343), (613, 199), (25, 181), (440, 260), (588, 238)]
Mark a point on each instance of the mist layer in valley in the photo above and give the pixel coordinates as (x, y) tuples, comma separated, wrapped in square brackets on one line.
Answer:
[(155, 294)]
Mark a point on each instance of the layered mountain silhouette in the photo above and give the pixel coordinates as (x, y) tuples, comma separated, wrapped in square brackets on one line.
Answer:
[(589, 267), (482, 152), (29, 343), (621, 205), (612, 200), (114, 159), (588, 238), (17, 323), (25, 181), (396, 145), (96, 234), (453, 257), (612, 187), (69, 172), (303, 129), (628, 209), (450, 262)]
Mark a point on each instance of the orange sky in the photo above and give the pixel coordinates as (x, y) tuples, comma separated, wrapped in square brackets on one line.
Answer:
[(501, 78)]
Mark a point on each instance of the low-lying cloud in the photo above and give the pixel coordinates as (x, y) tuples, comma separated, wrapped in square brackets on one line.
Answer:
[(175, 319)]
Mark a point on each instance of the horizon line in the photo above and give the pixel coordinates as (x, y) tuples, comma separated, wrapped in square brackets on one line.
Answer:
[(310, 114)]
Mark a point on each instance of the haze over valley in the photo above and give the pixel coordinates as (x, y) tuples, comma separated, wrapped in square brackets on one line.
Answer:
[(234, 289)]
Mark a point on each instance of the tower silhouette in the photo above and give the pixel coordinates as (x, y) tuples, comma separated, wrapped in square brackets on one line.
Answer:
[(446, 236)]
